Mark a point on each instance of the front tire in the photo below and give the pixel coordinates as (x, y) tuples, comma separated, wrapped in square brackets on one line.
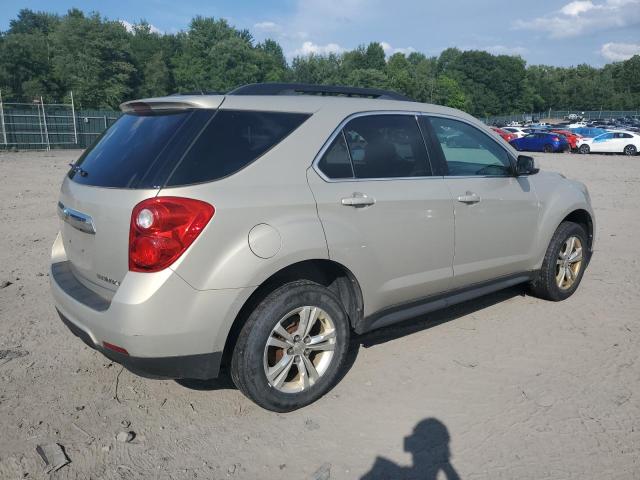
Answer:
[(564, 263), (630, 150), (292, 348)]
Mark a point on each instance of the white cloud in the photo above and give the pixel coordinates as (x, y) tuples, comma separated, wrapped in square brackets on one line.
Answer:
[(131, 27), (310, 48), (617, 52), (505, 50), (581, 17), (268, 27), (576, 8), (389, 50)]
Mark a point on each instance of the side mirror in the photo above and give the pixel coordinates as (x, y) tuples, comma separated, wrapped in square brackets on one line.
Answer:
[(526, 165)]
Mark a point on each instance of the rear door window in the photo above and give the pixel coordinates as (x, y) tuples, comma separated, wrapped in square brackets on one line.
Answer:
[(387, 146)]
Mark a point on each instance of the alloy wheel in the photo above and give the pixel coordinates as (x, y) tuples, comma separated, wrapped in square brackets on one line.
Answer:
[(630, 150), (569, 262), (300, 349)]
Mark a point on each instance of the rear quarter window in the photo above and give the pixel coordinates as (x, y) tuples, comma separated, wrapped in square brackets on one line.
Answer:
[(231, 140)]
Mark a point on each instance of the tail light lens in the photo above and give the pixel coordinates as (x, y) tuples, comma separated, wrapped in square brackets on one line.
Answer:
[(162, 228), (556, 139)]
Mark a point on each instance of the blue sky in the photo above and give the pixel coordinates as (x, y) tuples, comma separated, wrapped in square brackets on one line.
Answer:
[(541, 31)]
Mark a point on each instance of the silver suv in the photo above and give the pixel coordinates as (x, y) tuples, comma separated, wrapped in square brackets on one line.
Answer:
[(259, 229)]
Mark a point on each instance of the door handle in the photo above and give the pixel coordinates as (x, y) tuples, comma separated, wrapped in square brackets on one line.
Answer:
[(358, 200), (469, 198)]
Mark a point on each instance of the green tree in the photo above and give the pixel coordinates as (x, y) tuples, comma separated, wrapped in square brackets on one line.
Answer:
[(318, 69), (271, 62), (215, 56), (101, 73), (449, 93), (367, 77), (44, 54)]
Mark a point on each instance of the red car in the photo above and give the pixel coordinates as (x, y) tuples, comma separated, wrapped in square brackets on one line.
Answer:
[(571, 137), (508, 136)]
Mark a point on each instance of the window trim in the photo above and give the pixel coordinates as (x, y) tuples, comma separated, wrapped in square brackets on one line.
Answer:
[(442, 159), (340, 129)]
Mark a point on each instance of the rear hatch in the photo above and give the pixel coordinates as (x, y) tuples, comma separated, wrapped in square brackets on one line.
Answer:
[(130, 162), (170, 142)]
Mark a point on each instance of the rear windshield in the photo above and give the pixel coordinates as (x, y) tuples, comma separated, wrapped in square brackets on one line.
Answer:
[(157, 149)]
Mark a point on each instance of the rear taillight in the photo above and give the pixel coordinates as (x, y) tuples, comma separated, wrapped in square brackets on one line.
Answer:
[(555, 139), (162, 228)]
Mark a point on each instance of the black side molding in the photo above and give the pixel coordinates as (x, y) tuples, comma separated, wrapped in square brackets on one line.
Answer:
[(398, 313), (201, 367)]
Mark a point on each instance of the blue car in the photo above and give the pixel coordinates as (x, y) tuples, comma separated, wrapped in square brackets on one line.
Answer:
[(541, 142)]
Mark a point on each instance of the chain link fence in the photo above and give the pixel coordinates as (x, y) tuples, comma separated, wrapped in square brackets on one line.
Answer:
[(43, 126)]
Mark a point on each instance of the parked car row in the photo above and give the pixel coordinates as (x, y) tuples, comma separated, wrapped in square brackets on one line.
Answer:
[(607, 136)]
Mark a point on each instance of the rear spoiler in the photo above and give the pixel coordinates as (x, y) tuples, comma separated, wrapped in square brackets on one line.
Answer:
[(172, 103)]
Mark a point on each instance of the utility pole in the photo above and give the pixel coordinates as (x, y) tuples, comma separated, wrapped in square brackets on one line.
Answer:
[(4, 129), (44, 118), (73, 113)]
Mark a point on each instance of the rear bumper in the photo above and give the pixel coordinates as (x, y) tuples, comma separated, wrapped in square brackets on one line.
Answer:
[(168, 328), (202, 366)]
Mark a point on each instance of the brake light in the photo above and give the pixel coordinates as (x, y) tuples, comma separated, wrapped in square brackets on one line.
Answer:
[(162, 228), (555, 139)]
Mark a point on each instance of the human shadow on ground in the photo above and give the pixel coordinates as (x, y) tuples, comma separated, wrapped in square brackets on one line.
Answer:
[(382, 335), (428, 445)]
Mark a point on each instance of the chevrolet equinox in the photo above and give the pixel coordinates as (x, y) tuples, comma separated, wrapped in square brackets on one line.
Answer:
[(260, 228)]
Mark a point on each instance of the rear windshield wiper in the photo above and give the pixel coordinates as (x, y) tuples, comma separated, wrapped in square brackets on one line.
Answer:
[(78, 169)]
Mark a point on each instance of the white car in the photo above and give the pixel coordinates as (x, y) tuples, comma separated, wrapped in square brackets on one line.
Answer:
[(611, 142), (519, 132), (578, 125)]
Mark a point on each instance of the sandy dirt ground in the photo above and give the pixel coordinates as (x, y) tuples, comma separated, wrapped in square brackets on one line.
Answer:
[(505, 387)]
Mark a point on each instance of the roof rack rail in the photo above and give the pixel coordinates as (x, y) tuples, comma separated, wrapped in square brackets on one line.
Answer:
[(309, 89), (197, 92)]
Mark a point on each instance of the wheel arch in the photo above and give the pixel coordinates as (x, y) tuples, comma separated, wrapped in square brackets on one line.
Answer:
[(584, 219), (328, 273)]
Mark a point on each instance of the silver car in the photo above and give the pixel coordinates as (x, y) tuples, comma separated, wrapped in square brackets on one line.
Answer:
[(258, 230)]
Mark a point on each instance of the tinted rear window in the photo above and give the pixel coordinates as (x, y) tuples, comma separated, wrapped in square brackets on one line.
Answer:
[(157, 149)]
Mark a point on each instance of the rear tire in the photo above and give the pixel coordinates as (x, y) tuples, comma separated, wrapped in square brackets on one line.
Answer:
[(630, 150), (564, 263), (584, 149), (548, 148), (278, 363)]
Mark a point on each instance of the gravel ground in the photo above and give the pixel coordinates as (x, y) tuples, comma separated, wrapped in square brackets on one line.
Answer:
[(508, 386)]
